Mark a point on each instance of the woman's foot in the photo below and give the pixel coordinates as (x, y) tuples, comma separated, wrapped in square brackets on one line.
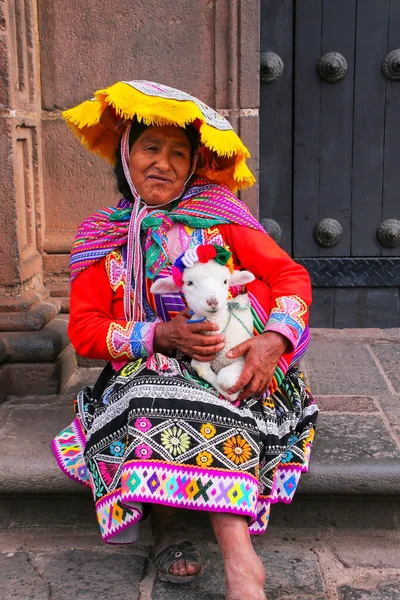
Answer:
[(245, 577), (244, 571), (169, 532)]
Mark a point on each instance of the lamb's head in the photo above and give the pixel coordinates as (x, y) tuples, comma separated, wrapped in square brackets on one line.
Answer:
[(204, 275)]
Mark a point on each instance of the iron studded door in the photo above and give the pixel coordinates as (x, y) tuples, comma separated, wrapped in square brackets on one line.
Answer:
[(330, 151)]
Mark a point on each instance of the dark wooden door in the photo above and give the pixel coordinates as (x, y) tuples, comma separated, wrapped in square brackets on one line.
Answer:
[(330, 151)]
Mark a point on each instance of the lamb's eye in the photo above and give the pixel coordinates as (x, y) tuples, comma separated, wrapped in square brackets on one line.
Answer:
[(226, 281), (189, 283)]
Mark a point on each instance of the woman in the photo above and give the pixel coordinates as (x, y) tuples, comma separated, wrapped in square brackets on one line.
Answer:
[(151, 436)]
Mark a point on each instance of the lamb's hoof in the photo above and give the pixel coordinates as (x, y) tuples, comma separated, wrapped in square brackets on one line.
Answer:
[(201, 372), (230, 397)]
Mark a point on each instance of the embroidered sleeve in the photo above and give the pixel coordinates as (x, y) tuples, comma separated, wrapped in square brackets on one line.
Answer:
[(97, 327), (286, 318), (281, 293), (133, 340)]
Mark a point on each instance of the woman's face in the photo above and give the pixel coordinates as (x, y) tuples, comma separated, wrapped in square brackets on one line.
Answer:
[(159, 164)]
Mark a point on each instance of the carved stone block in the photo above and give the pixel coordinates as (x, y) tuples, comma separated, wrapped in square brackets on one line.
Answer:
[(32, 320), (86, 45), (23, 67), (42, 346), (25, 379), (57, 264), (59, 241), (4, 74), (9, 273), (2, 16), (3, 352), (23, 301), (249, 96), (25, 167), (76, 183), (249, 132), (237, 54), (4, 383)]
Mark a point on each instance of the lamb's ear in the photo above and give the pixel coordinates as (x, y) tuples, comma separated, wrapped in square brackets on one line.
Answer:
[(241, 277), (164, 285)]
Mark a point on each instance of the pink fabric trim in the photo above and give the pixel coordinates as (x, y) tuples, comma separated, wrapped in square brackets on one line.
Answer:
[(286, 318), (111, 517), (68, 448), (286, 332)]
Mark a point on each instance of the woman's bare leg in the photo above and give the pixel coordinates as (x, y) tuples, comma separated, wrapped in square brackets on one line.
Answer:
[(244, 571), (168, 528)]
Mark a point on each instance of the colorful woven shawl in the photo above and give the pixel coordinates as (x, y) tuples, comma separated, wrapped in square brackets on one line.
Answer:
[(204, 205)]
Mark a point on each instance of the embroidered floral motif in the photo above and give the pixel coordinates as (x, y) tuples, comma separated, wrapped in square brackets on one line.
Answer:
[(143, 451), (162, 365), (287, 457), (237, 449), (131, 368), (115, 269), (133, 340), (121, 483), (117, 448), (175, 440), (208, 431), (286, 318), (143, 424), (204, 459), (97, 484)]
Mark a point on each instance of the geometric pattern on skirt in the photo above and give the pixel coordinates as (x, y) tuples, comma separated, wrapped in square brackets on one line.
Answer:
[(159, 434)]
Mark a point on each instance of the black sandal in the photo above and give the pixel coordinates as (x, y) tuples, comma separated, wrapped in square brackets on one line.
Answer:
[(167, 557)]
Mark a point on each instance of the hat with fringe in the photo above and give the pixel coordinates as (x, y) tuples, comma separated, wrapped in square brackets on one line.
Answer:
[(98, 123)]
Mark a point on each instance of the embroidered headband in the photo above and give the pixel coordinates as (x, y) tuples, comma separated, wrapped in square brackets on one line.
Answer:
[(203, 253)]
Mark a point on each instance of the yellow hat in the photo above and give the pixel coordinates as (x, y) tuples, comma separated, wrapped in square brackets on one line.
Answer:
[(95, 123)]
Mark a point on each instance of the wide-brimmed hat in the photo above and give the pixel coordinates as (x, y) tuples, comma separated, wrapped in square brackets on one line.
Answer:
[(99, 124)]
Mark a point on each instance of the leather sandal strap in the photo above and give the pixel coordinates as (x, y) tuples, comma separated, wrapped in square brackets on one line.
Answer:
[(170, 555)]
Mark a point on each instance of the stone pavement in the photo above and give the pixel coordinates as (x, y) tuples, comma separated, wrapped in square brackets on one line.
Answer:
[(338, 540), (300, 565)]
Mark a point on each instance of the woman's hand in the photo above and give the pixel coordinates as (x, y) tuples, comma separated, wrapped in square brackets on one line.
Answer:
[(262, 355), (189, 338)]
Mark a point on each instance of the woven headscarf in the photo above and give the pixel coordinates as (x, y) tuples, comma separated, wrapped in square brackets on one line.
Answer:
[(204, 205)]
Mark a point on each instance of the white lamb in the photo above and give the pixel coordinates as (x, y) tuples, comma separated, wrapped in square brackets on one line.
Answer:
[(205, 286)]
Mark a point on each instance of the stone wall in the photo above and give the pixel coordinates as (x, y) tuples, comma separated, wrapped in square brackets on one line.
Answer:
[(54, 54)]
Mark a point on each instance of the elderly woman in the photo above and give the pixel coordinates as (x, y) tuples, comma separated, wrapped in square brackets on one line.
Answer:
[(151, 436)]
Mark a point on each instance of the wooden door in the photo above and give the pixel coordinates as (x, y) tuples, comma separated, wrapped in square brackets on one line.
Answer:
[(330, 151)]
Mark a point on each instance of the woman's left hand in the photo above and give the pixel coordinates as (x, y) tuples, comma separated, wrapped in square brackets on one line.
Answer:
[(262, 355)]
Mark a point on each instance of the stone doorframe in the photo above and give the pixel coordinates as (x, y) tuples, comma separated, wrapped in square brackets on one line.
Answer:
[(35, 354)]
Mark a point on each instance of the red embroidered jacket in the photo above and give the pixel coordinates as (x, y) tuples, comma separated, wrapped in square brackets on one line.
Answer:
[(281, 293)]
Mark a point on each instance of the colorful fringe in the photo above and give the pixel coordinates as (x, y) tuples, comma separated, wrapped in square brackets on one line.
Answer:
[(95, 123)]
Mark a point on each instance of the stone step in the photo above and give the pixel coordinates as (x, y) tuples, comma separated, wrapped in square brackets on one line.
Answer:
[(354, 452), (355, 465)]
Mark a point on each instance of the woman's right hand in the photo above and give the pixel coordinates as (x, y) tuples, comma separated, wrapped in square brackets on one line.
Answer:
[(189, 338)]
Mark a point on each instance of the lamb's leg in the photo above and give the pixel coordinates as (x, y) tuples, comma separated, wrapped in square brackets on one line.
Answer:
[(205, 371), (228, 376)]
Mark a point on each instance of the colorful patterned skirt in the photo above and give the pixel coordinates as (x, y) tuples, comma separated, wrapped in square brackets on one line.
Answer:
[(158, 434)]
